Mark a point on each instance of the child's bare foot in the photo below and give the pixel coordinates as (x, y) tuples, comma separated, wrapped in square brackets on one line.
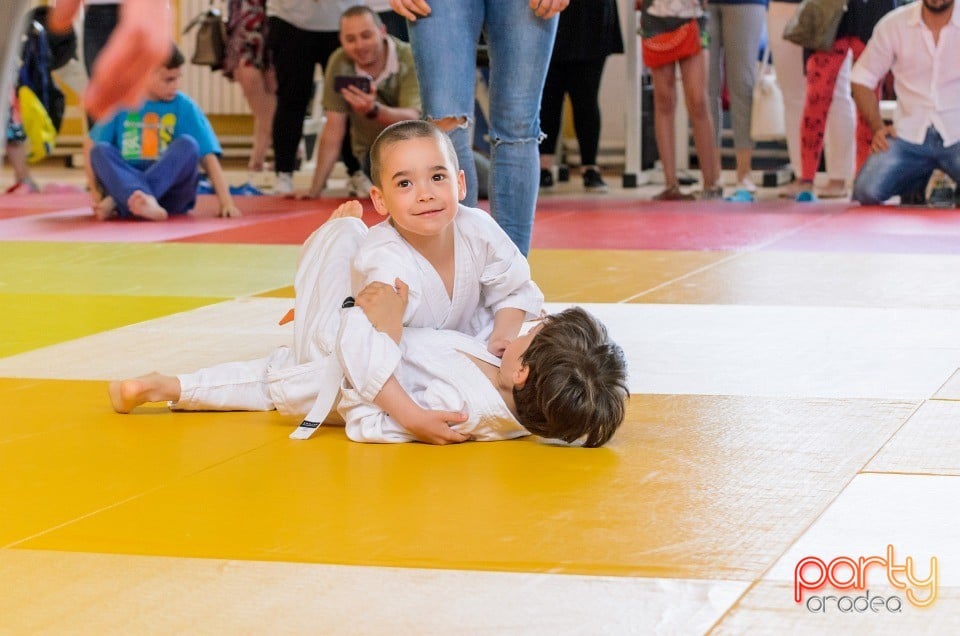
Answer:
[(145, 206), (126, 395), (348, 210), (106, 209)]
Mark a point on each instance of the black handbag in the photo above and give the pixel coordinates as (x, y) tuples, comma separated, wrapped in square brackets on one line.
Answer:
[(211, 42)]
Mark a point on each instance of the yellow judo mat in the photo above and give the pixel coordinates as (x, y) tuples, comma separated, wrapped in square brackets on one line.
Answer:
[(773, 392)]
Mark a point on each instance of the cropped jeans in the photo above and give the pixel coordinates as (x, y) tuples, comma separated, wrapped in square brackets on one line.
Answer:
[(905, 168), (520, 44)]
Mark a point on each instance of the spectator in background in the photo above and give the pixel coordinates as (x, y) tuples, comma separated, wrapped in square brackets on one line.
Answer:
[(520, 35), (100, 18), (662, 17), (588, 32), (841, 116), (854, 31), (300, 35), (16, 151), (146, 159), (919, 43), (735, 28), (247, 63), (394, 93)]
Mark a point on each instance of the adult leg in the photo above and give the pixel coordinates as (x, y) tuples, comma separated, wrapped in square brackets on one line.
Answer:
[(173, 178), (263, 104), (520, 48), (822, 68), (864, 133), (295, 55), (838, 152), (444, 51), (11, 28), (788, 64), (693, 73), (584, 86), (99, 21), (897, 171), (551, 110), (664, 118), (743, 31), (949, 161), (715, 66)]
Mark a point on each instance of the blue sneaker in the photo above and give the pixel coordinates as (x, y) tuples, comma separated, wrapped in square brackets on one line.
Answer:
[(806, 196), (204, 186), (246, 189), (741, 195)]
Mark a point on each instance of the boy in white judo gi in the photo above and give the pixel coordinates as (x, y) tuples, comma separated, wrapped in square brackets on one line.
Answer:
[(463, 273), (564, 379)]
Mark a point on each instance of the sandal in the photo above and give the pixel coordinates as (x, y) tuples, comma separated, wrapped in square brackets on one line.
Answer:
[(673, 193)]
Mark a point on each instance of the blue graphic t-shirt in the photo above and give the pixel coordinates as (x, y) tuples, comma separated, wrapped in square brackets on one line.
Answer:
[(143, 135)]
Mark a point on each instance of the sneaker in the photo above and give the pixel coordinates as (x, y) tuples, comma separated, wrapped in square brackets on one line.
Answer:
[(23, 187), (359, 184), (673, 193), (806, 196), (714, 193), (741, 195), (592, 181), (546, 178), (204, 186), (245, 190), (746, 184), (941, 197), (284, 184)]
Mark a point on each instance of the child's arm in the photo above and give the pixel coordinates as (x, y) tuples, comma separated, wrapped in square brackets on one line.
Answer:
[(211, 164), (506, 327), (383, 307)]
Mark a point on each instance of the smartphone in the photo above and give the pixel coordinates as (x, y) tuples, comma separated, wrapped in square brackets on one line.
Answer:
[(362, 82)]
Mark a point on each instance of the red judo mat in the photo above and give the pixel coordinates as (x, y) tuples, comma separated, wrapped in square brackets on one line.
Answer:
[(595, 223)]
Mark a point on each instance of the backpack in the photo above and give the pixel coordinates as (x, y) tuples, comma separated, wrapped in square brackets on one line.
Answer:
[(35, 67), (814, 25)]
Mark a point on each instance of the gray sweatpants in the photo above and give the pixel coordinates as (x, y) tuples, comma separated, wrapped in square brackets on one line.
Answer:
[(11, 26), (736, 31)]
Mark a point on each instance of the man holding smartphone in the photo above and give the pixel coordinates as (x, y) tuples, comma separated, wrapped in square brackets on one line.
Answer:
[(370, 82)]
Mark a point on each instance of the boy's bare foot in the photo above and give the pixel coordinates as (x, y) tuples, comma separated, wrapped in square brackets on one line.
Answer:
[(348, 210), (126, 395), (146, 206), (106, 209)]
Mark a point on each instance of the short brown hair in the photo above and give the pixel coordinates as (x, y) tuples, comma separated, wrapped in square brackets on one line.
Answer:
[(577, 381), (361, 10), (175, 60), (402, 131)]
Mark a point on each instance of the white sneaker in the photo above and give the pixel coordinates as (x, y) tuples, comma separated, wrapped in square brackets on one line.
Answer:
[(359, 184), (284, 184), (747, 184)]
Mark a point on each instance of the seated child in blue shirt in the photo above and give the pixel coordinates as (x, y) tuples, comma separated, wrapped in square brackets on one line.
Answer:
[(145, 160)]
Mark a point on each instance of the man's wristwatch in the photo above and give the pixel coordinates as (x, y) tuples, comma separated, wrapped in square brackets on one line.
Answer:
[(373, 112)]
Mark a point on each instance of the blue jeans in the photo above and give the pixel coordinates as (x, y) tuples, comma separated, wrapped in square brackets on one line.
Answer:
[(905, 168), (172, 179), (520, 44)]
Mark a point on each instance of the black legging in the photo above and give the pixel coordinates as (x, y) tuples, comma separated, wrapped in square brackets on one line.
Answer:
[(99, 21), (580, 80), (294, 54)]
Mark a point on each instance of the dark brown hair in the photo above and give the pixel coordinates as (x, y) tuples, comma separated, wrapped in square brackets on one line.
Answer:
[(176, 59), (402, 131), (577, 381)]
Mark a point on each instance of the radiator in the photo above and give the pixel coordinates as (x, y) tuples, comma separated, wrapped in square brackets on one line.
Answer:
[(215, 94)]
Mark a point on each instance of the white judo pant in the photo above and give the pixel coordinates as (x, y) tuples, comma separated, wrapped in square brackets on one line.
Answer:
[(304, 378)]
